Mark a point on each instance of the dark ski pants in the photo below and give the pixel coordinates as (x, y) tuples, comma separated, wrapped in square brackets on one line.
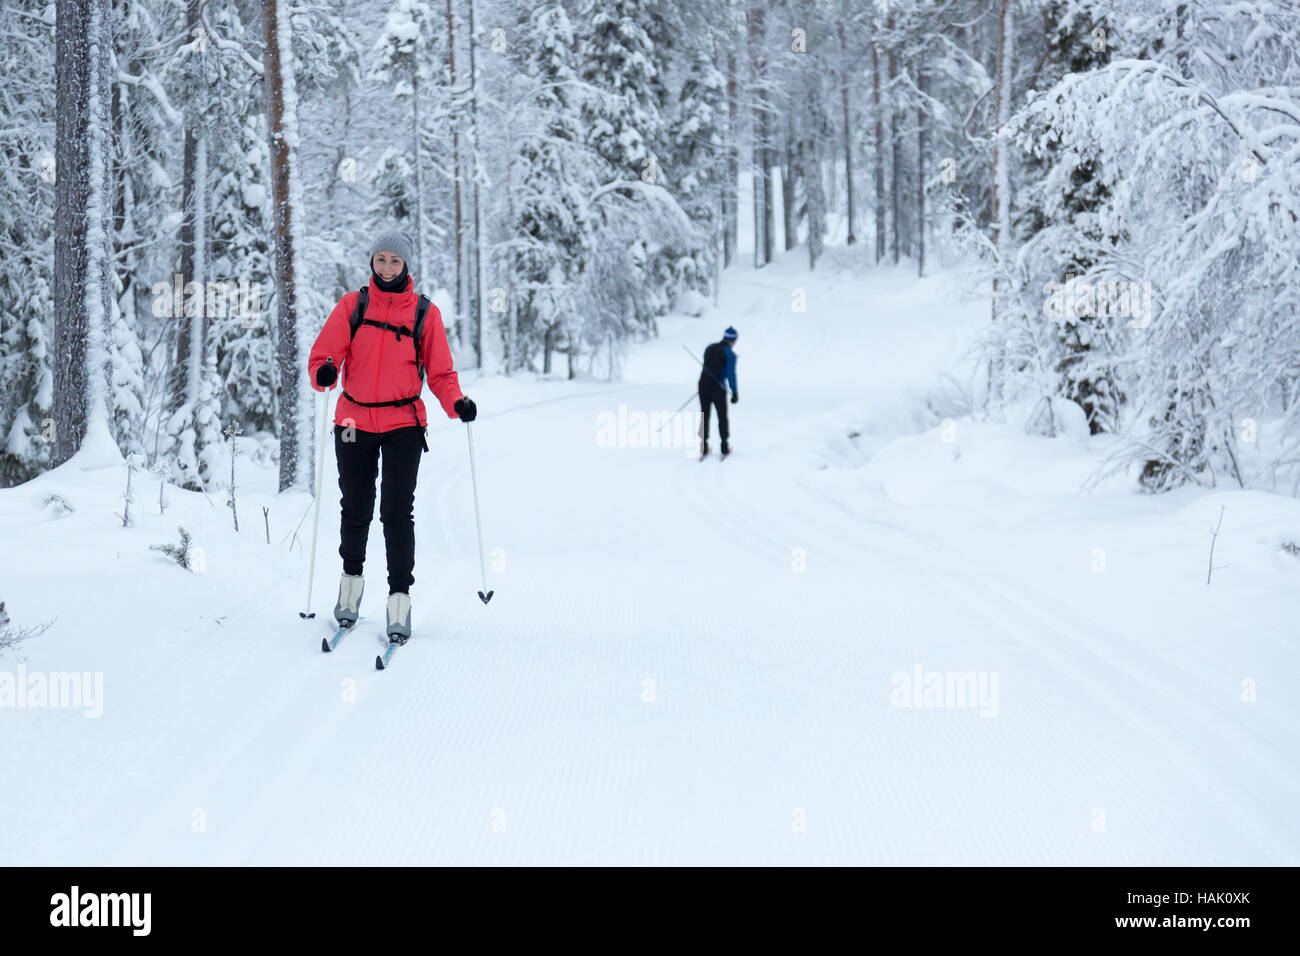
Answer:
[(713, 399), (358, 466)]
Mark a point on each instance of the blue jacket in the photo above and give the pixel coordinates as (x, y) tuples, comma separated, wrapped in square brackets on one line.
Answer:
[(719, 368), (731, 368)]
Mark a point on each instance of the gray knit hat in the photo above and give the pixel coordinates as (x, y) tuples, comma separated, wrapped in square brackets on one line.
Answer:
[(393, 241)]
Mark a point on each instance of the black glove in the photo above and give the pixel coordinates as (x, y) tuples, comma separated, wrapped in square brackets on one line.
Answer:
[(735, 397), (327, 374), (466, 409)]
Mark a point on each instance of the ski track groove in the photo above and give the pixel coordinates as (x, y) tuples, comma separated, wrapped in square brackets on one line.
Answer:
[(207, 774), (735, 517), (1142, 667), (1112, 683)]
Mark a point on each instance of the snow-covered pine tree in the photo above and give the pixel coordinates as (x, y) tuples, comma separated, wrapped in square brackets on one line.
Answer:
[(128, 387), (699, 163), (146, 125), (1169, 182), (677, 34), (209, 440), (241, 260), (196, 85), (618, 61), (403, 64), (337, 157), (1063, 240), (622, 121), (553, 230), (195, 73), (143, 122)]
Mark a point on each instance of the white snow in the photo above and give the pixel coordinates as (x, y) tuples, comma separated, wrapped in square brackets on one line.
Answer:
[(684, 662)]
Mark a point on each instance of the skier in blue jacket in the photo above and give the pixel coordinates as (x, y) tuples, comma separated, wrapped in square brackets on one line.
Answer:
[(718, 372)]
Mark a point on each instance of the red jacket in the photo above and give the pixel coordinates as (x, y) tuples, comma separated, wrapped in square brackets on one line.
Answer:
[(376, 367)]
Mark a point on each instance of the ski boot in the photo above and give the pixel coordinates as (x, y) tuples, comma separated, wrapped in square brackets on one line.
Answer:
[(348, 607), (726, 449), (399, 618), (704, 450)]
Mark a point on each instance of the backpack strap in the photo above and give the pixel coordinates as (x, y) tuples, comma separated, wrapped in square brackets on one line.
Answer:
[(359, 313), (394, 402), (421, 310)]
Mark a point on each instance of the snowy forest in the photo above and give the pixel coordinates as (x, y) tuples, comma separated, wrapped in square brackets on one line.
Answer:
[(187, 185)]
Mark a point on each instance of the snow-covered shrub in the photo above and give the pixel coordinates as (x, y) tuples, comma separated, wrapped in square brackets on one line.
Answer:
[(1174, 177), (56, 506), (11, 635)]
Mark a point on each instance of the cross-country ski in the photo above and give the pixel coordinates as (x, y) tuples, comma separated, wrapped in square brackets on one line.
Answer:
[(328, 644)]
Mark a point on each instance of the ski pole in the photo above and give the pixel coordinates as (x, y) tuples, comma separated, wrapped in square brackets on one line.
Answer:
[(703, 366), (478, 523), (679, 411), (315, 525)]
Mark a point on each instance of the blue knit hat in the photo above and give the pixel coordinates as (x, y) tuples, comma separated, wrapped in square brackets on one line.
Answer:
[(729, 335)]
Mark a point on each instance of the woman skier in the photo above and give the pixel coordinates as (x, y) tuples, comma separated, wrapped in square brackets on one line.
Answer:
[(383, 367)]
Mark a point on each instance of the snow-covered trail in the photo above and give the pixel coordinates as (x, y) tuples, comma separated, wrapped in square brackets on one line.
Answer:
[(683, 663)]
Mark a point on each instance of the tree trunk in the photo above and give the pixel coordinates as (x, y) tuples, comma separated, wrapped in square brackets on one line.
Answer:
[(125, 261), (1180, 28), (476, 296), (462, 273), (896, 148), (417, 166), (278, 88), (181, 392), (788, 182), (880, 146), (71, 198), (922, 82), (196, 318), (185, 371), (512, 312), (769, 197), (730, 196), (82, 210), (815, 195), (194, 248), (758, 130), (848, 134), (1001, 179)]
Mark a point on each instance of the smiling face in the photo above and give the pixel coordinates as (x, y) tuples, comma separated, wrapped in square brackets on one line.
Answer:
[(387, 265)]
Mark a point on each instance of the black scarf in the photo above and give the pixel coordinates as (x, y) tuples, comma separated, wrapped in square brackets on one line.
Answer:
[(397, 285)]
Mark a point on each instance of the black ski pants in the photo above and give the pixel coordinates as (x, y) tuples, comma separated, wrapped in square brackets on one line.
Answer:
[(358, 466), (713, 398)]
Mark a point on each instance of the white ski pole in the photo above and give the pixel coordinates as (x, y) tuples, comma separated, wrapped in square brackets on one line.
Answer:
[(485, 595), (315, 524), (694, 395)]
